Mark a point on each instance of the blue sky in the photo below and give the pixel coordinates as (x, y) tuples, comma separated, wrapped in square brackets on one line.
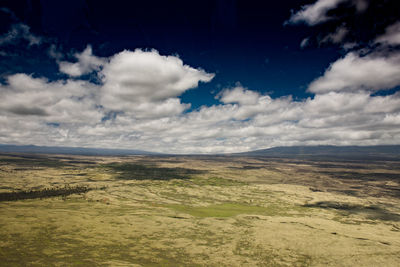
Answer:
[(199, 76)]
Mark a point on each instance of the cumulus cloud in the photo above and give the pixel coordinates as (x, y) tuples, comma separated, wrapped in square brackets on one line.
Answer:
[(354, 72), (336, 118), (61, 101), (391, 36), (244, 120), (132, 79), (137, 105), (142, 83), (19, 32), (138, 87), (239, 95), (86, 62), (344, 110)]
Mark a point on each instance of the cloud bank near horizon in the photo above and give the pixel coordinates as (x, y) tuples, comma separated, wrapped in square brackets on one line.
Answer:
[(137, 105), (133, 99)]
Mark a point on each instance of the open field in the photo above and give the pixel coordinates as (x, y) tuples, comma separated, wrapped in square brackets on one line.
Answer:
[(198, 211)]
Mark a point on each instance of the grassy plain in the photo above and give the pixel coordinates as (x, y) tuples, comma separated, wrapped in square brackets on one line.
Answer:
[(200, 211)]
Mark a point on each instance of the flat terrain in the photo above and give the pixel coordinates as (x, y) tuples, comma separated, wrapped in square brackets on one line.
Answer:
[(64, 210)]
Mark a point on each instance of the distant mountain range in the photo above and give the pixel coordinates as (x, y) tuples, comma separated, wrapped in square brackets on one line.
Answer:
[(382, 151), (71, 150), (345, 152)]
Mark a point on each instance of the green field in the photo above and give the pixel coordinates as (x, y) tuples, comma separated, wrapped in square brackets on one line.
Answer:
[(197, 211)]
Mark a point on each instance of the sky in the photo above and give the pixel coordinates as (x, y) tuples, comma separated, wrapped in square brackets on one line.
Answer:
[(206, 76)]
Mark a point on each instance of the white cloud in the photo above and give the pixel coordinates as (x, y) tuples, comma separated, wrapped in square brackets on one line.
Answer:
[(354, 72), (158, 109), (336, 37), (391, 36), (138, 106), (361, 5), (62, 101), (304, 43), (338, 118), (53, 53), (314, 13), (87, 63), (239, 95), (133, 79), (349, 46), (142, 83), (19, 32)]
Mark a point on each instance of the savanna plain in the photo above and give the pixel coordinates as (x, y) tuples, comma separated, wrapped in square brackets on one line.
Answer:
[(63, 210)]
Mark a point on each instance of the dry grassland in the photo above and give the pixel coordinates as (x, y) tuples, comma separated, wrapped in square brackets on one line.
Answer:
[(200, 211)]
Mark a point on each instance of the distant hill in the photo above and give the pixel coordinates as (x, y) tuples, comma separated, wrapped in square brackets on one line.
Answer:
[(320, 152), (71, 150), (383, 151)]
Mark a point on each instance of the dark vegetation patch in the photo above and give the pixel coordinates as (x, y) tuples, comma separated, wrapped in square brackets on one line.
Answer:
[(314, 189), (209, 181), (341, 166), (131, 171), (33, 162), (162, 160), (371, 176), (247, 167), (350, 192), (43, 193), (376, 190), (371, 212), (74, 174), (81, 162)]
